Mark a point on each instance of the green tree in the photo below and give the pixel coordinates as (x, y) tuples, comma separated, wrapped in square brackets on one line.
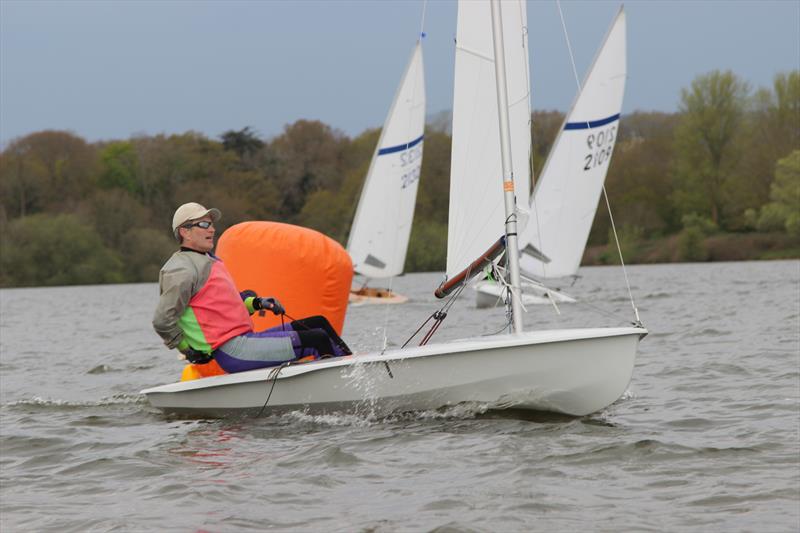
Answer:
[(118, 167), (48, 249), (326, 212), (146, 250), (638, 180), (545, 126), (309, 154), (47, 170), (427, 248), (113, 213), (771, 131), (22, 183), (783, 212), (243, 142), (706, 149), (433, 195), (171, 170), (692, 239)]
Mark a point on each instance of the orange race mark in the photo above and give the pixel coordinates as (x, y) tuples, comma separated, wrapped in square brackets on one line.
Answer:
[(508, 186)]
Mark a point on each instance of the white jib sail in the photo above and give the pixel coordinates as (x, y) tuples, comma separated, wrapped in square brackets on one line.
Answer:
[(382, 225), (477, 216), (567, 194)]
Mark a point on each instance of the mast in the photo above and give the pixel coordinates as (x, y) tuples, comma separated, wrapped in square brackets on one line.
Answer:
[(512, 249)]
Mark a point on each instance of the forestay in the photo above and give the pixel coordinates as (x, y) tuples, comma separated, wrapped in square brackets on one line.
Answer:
[(566, 196), (477, 217), (382, 225)]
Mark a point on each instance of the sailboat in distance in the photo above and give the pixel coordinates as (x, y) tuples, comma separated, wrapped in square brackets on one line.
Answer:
[(566, 196), (571, 371), (381, 228)]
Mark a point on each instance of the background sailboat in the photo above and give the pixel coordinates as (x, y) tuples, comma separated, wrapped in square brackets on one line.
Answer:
[(378, 239), (566, 196)]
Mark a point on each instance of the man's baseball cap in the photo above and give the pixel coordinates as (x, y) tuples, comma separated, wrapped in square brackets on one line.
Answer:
[(192, 211)]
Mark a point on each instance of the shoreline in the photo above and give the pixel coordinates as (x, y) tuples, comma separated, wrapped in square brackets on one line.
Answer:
[(719, 247)]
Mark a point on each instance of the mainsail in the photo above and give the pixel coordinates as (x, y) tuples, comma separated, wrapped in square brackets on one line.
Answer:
[(477, 216), (382, 225)]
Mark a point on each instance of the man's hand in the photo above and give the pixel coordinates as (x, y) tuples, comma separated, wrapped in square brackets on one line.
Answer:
[(270, 304), (195, 357)]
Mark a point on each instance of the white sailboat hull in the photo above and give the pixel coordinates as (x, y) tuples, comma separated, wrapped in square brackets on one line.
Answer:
[(490, 294), (575, 372)]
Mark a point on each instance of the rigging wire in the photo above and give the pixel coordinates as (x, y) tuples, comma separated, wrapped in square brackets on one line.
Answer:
[(439, 315), (605, 194), (422, 24), (385, 341)]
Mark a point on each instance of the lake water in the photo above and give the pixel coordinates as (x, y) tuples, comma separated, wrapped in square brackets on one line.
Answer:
[(707, 438)]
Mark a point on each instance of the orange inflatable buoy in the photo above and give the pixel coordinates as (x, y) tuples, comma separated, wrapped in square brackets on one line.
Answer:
[(308, 272)]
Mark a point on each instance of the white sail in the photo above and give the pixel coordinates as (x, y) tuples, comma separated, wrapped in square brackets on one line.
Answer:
[(477, 217), (382, 225), (566, 196)]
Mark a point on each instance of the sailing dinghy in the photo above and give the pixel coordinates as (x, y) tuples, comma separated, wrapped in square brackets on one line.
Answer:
[(566, 196), (378, 239), (570, 371)]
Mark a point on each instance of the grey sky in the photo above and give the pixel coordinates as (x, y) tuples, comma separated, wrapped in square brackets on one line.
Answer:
[(111, 69)]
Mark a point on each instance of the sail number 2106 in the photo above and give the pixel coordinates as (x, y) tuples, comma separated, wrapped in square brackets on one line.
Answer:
[(600, 145)]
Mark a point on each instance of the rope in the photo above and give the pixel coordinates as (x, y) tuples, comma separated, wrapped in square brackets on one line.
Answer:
[(439, 315), (605, 194), (569, 46), (273, 376)]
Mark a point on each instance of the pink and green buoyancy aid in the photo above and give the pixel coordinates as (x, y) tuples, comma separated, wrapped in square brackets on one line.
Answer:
[(216, 313)]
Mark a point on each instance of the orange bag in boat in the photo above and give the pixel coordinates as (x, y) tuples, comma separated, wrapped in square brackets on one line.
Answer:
[(309, 273), (191, 371)]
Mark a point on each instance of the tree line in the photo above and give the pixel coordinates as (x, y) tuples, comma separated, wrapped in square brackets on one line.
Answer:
[(74, 212)]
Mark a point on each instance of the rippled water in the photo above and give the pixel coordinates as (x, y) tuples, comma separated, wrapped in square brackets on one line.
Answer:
[(706, 439)]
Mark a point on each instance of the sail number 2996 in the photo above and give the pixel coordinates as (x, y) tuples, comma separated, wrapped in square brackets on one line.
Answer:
[(600, 145)]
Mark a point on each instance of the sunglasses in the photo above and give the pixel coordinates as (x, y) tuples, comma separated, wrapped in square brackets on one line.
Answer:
[(205, 224)]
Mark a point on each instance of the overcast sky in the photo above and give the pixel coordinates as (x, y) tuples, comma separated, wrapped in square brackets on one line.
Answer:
[(112, 69)]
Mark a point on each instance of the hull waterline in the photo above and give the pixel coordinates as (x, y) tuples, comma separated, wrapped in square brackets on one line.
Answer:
[(574, 372)]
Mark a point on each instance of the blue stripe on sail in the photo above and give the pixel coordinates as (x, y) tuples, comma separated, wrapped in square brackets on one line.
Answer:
[(401, 147), (591, 124)]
